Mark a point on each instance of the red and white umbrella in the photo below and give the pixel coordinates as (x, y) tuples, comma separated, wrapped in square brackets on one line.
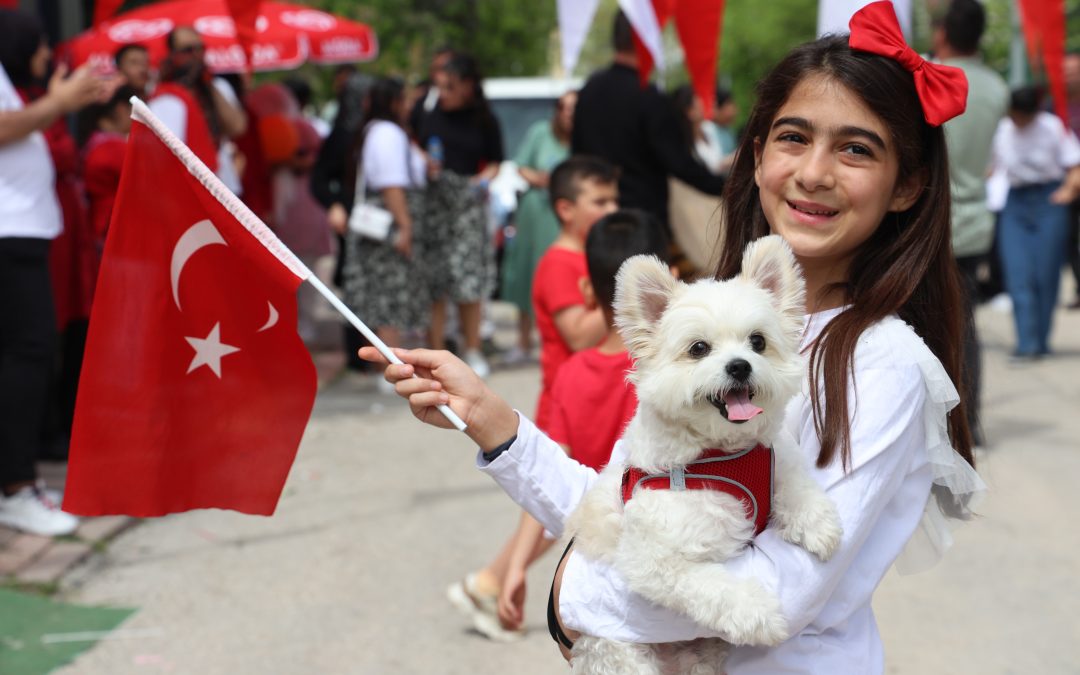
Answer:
[(286, 36)]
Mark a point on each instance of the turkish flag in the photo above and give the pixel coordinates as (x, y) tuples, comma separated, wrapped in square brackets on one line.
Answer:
[(196, 388)]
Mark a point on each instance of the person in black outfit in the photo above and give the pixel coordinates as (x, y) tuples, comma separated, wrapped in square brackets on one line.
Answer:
[(464, 144), (332, 183), (635, 128)]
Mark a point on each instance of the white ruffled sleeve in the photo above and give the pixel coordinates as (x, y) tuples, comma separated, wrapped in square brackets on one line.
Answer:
[(539, 476), (957, 488)]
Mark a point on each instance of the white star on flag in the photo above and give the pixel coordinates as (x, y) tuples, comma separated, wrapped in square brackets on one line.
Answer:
[(208, 351)]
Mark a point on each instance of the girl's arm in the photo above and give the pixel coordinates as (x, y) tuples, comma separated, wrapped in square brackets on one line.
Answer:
[(880, 503), (533, 470)]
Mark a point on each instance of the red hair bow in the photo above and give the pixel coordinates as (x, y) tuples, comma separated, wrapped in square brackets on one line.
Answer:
[(942, 89)]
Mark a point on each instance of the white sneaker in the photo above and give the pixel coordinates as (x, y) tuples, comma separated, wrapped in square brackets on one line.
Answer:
[(481, 609), (478, 363), (31, 510)]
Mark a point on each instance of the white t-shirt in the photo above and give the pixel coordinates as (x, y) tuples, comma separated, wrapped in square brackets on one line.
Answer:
[(28, 204), (389, 159), (1041, 152), (898, 437)]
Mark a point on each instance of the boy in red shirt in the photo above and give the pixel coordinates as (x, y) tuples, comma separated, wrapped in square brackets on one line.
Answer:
[(583, 190), (591, 400)]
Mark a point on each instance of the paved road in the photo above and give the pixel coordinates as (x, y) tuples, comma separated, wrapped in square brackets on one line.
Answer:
[(380, 513)]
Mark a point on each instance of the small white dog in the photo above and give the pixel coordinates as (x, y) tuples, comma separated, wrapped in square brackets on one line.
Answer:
[(715, 364)]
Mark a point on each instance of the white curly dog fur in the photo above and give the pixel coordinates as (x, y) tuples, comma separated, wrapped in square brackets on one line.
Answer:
[(669, 544)]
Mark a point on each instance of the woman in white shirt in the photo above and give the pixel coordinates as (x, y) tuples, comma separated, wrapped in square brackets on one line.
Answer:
[(381, 279), (29, 220), (845, 158), (1040, 157)]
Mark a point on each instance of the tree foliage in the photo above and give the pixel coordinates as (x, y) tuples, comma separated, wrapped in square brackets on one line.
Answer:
[(508, 37)]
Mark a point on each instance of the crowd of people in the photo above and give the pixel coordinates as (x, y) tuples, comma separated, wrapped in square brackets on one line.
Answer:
[(599, 178)]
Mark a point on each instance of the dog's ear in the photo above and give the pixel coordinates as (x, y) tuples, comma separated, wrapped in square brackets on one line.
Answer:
[(770, 263), (644, 287)]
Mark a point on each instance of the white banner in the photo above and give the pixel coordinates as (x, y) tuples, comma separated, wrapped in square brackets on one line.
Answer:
[(833, 15), (575, 17)]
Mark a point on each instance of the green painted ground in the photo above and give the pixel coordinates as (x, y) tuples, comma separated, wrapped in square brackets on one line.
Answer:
[(38, 634)]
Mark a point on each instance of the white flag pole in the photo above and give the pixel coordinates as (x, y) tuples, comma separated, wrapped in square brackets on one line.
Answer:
[(258, 229)]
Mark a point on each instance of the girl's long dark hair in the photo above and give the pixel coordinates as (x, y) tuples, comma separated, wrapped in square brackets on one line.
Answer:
[(20, 37), (906, 267), (381, 97), (467, 69)]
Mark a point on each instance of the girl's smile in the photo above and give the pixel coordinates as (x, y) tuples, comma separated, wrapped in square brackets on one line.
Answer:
[(827, 177)]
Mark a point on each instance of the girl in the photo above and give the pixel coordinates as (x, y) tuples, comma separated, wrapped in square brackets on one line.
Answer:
[(844, 159), (463, 137), (382, 277), (546, 144)]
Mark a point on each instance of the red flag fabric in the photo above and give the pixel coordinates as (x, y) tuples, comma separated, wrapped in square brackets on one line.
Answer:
[(195, 388), (1044, 32)]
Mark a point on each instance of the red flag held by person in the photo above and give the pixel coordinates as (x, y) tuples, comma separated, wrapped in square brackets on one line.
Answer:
[(196, 388)]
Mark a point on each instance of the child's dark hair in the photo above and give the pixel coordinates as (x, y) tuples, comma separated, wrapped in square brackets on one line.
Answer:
[(964, 23), (566, 179), (906, 267), (1026, 100), (616, 237), (126, 49)]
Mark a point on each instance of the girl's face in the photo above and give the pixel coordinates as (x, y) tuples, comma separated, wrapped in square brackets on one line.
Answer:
[(454, 92), (827, 175)]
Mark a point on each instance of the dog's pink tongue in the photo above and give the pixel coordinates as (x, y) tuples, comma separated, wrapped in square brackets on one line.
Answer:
[(739, 407)]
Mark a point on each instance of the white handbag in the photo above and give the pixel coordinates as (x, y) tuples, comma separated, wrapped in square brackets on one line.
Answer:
[(368, 220)]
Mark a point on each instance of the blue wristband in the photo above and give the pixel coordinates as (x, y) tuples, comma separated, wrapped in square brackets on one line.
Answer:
[(493, 454)]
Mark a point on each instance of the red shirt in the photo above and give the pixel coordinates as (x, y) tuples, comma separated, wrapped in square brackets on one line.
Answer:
[(103, 159), (555, 287), (591, 404)]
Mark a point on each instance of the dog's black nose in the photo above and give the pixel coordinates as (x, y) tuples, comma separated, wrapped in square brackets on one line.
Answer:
[(739, 369)]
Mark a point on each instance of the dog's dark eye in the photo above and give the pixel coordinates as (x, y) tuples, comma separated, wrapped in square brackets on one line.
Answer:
[(699, 349), (757, 342)]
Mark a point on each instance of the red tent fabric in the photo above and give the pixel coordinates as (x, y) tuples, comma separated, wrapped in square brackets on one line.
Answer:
[(286, 36)]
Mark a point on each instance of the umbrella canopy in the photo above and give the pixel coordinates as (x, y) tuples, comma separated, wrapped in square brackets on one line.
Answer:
[(286, 36)]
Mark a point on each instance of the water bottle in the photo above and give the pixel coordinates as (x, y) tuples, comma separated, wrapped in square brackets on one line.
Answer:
[(435, 149)]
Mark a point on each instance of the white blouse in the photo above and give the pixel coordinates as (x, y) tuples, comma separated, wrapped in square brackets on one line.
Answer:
[(899, 448)]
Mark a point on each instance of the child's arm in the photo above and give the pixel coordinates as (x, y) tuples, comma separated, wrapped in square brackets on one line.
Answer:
[(534, 471), (580, 328), (529, 544)]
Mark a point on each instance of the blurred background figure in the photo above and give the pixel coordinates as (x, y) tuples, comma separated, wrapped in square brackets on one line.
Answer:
[(546, 144), (301, 91), (1041, 159), (718, 141), (103, 158), (299, 220), (425, 95), (463, 139), (30, 218), (636, 129), (1072, 84), (382, 280), (133, 63), (970, 138), (202, 110), (331, 186)]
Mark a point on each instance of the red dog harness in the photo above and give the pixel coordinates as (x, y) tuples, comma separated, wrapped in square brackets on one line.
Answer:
[(745, 475)]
